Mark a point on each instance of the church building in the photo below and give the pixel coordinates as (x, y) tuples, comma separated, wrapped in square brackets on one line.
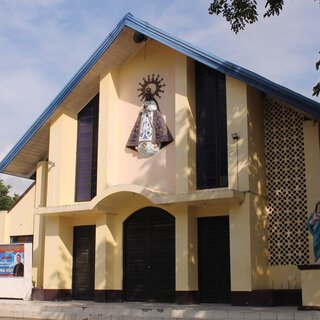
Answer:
[(164, 173)]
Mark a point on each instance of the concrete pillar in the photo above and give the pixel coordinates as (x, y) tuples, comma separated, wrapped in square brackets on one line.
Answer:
[(240, 246), (4, 237), (41, 184), (107, 141), (186, 250), (62, 160), (312, 160), (39, 223), (38, 249), (237, 121), (101, 252), (58, 254), (185, 133)]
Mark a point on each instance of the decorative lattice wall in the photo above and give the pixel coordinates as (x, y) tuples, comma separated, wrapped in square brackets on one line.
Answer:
[(286, 185)]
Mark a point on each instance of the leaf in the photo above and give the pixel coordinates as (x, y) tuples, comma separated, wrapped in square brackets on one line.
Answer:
[(316, 90)]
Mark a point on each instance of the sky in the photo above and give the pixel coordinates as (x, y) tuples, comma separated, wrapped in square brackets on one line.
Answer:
[(43, 43)]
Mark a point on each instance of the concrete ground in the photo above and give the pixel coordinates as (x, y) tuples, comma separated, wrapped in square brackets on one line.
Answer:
[(88, 310)]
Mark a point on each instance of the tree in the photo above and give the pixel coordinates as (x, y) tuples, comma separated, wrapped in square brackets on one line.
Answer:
[(239, 13), (316, 88), (6, 201)]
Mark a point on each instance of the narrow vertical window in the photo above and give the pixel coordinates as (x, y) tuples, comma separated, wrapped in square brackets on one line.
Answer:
[(212, 152), (87, 151)]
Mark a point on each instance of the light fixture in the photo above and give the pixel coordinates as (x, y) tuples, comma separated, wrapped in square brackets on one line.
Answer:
[(235, 135), (139, 37), (51, 163)]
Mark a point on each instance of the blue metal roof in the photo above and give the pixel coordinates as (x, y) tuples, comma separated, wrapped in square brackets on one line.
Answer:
[(305, 104)]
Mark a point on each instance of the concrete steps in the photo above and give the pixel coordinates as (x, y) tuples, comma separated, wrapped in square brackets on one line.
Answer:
[(83, 310)]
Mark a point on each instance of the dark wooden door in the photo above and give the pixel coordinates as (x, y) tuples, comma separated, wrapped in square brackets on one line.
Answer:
[(83, 262), (214, 259), (149, 256)]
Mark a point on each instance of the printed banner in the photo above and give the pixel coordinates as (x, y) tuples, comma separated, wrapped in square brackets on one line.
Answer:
[(11, 260)]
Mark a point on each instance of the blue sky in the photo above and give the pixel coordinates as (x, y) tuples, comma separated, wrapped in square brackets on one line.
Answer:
[(43, 43)]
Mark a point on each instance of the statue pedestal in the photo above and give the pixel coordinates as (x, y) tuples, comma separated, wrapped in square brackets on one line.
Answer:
[(310, 285)]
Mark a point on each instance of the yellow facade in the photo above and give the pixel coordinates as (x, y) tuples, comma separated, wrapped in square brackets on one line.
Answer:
[(126, 183)]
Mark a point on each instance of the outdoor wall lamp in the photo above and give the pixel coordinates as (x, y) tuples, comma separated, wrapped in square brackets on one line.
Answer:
[(51, 164), (235, 135)]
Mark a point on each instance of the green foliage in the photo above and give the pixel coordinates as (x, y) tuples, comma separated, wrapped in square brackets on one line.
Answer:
[(6, 201), (273, 7), (316, 88), (241, 12)]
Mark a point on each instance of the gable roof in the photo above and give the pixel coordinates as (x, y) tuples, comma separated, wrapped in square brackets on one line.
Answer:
[(33, 146)]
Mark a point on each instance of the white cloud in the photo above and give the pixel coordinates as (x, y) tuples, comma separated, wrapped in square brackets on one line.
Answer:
[(23, 96)]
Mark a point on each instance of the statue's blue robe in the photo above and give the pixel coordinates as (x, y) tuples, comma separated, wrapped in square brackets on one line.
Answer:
[(315, 231)]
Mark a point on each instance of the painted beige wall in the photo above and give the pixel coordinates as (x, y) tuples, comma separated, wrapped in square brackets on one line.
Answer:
[(22, 214), (113, 251), (185, 133), (3, 227), (257, 187), (248, 245), (256, 142), (237, 121), (240, 246), (101, 269), (120, 107), (173, 168), (62, 159), (238, 173), (186, 250), (39, 223), (310, 288), (38, 250), (59, 248), (41, 183), (248, 221), (259, 242), (312, 160), (58, 254), (108, 129), (191, 114), (284, 277)]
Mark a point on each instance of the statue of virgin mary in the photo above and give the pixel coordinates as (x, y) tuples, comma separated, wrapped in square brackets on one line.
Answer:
[(150, 132)]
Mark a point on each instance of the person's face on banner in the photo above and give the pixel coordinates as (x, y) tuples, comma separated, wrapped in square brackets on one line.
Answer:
[(18, 258)]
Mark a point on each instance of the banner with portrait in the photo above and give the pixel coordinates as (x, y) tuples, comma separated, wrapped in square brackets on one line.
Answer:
[(12, 260)]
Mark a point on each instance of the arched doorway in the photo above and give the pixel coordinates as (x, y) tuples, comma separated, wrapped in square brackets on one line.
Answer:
[(149, 256)]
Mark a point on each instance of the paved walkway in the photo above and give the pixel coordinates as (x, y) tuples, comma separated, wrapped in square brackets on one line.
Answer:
[(87, 310)]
